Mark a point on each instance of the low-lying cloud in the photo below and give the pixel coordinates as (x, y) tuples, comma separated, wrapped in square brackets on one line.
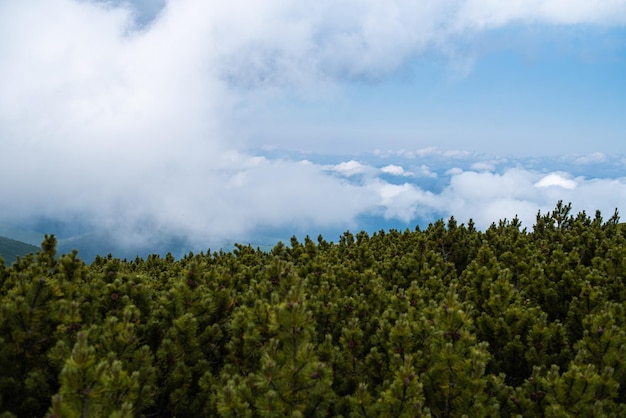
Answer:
[(136, 128)]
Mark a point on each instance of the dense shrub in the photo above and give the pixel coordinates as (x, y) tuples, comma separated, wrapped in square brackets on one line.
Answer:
[(444, 322)]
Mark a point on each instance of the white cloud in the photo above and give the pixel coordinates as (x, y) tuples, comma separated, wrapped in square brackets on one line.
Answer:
[(351, 168), (423, 152), (485, 14), (395, 170), (283, 41), (558, 180), (404, 202), (454, 171), (594, 158), (123, 126), (425, 171), (456, 154), (488, 197), (483, 166)]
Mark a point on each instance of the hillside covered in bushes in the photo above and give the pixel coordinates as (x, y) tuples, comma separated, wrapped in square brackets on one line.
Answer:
[(445, 321), (10, 249)]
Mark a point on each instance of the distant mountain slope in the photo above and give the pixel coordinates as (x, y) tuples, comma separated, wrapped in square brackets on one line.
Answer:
[(10, 249), (23, 233)]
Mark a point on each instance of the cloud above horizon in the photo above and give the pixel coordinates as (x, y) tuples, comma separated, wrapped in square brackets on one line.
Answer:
[(149, 128)]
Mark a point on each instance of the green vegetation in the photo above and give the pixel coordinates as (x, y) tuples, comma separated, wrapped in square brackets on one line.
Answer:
[(443, 322), (10, 249)]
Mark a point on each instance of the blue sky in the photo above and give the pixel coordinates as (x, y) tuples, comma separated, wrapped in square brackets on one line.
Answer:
[(238, 121), (539, 99)]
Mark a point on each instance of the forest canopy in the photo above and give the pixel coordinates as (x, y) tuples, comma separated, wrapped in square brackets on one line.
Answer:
[(445, 321)]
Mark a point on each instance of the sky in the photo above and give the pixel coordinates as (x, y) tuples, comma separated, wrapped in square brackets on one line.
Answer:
[(237, 121)]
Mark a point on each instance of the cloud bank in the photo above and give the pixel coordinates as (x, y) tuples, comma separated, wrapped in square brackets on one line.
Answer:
[(140, 129)]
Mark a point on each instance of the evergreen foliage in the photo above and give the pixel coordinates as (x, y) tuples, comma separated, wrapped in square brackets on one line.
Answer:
[(447, 321)]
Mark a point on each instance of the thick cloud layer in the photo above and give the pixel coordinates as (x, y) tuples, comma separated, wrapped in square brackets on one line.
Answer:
[(138, 126)]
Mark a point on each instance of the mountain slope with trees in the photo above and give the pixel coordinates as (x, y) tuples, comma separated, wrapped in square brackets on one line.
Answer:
[(10, 249), (447, 321)]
